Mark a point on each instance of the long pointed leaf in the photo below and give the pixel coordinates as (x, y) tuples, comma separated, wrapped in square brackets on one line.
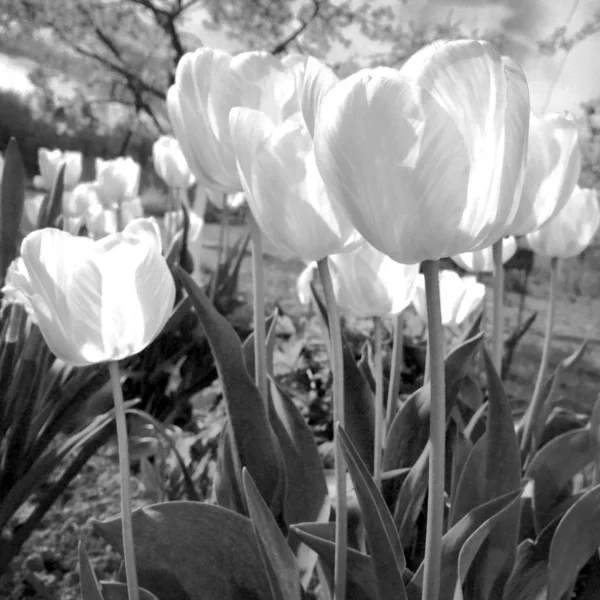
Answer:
[(12, 199), (253, 436), (384, 543), (554, 465), (90, 588), (576, 539), (279, 561)]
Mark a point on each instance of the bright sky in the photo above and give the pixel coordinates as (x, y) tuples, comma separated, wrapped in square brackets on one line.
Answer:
[(524, 22)]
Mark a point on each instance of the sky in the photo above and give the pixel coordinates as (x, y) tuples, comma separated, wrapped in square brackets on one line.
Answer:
[(523, 22)]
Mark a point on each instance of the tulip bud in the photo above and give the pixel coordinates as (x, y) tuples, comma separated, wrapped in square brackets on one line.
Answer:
[(425, 167), (101, 221), (49, 162), (460, 297), (170, 163), (482, 261), (553, 167), (570, 231), (97, 301), (117, 180), (370, 284), (284, 189), (208, 84)]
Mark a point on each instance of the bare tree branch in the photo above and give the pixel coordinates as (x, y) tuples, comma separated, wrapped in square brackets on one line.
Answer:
[(283, 44)]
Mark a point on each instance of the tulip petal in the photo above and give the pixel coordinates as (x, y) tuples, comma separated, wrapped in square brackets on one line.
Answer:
[(318, 80), (249, 130), (467, 78), (379, 136), (67, 292), (553, 168)]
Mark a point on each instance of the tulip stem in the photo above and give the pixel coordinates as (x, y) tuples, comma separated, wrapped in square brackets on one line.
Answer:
[(498, 315), (260, 343), (528, 442), (126, 520), (437, 434), (395, 370), (337, 367), (378, 401)]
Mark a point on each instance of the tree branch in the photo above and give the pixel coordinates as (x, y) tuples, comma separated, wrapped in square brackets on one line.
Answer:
[(283, 44)]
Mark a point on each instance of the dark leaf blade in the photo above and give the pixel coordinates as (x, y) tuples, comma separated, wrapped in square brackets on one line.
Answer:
[(253, 436), (306, 493), (384, 543), (473, 545), (361, 577), (454, 539), (409, 431), (90, 588), (279, 561), (168, 553), (359, 402), (553, 466), (52, 205), (12, 200), (575, 540)]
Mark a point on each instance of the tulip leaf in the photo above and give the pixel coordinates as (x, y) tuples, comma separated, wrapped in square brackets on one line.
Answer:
[(411, 498), (384, 543), (12, 200), (361, 583), (90, 588), (359, 402), (492, 469), (306, 494), (52, 205), (228, 474), (278, 560), (193, 550), (575, 540), (253, 437), (553, 466), (409, 431), (114, 590), (471, 548), (248, 346), (529, 579), (455, 538)]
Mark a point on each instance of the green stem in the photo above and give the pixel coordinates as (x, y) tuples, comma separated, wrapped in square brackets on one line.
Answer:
[(437, 434), (498, 315), (395, 370), (337, 367), (528, 443), (128, 552), (260, 342), (378, 402)]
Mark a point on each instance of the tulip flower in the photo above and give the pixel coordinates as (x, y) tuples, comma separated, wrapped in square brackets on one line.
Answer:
[(170, 163), (425, 167), (117, 181), (370, 284), (566, 234), (100, 221), (553, 167), (284, 189), (208, 84), (570, 231), (482, 261), (460, 297), (97, 301), (11, 293), (49, 162)]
